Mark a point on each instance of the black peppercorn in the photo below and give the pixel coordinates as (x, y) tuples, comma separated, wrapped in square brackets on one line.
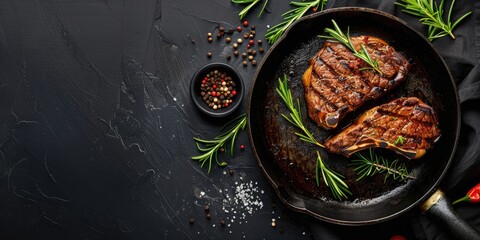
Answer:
[(235, 53), (209, 54), (228, 57), (191, 220)]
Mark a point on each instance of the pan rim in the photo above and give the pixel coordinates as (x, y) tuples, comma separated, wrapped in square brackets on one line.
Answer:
[(300, 207)]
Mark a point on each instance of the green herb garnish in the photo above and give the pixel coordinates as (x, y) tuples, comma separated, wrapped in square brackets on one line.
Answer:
[(332, 179), (274, 33), (250, 5), (211, 147), (400, 140), (295, 117), (431, 15), (338, 35), (372, 164)]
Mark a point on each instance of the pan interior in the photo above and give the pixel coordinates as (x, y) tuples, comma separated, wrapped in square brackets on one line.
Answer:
[(286, 161)]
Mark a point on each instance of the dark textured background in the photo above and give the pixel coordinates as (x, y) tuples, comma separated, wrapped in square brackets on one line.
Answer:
[(96, 124)]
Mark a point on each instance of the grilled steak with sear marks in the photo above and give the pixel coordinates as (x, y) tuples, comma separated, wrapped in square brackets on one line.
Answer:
[(405, 125), (335, 85)]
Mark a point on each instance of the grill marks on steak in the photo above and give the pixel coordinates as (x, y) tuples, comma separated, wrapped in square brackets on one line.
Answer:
[(381, 126), (335, 85)]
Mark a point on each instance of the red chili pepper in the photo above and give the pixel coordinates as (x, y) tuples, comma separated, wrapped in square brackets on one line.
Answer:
[(473, 195)]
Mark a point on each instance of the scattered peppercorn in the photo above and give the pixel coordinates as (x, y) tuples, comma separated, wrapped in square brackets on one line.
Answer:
[(245, 63), (252, 27), (242, 147), (207, 208), (209, 34), (239, 29), (251, 36), (235, 53), (209, 54), (254, 52), (235, 45), (191, 220), (222, 223), (251, 42), (254, 63), (249, 51), (221, 29), (228, 56), (250, 57), (209, 216), (231, 172), (228, 40), (210, 39), (239, 41), (231, 30), (261, 49), (244, 55), (222, 149), (245, 23), (259, 42)]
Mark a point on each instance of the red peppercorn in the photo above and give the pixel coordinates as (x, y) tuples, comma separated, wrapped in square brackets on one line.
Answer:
[(234, 92), (242, 147), (214, 86), (239, 29), (226, 105), (251, 42), (214, 94), (245, 23)]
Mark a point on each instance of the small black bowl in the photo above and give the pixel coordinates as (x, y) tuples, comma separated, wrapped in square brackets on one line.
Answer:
[(195, 89)]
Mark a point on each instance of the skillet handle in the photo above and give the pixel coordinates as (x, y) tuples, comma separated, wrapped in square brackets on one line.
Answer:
[(440, 207)]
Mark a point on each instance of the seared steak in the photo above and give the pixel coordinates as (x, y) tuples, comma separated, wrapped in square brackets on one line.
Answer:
[(335, 85), (405, 125)]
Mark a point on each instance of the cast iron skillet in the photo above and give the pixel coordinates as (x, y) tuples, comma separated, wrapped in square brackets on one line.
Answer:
[(278, 151)]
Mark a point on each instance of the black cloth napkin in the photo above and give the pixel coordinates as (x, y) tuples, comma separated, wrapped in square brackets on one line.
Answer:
[(462, 57)]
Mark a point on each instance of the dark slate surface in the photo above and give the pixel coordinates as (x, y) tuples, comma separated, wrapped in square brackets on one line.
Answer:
[(97, 125)]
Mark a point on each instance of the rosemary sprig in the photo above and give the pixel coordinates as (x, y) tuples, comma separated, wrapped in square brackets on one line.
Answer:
[(211, 147), (338, 35), (373, 164), (431, 15), (291, 16), (400, 140), (295, 116), (332, 179), (250, 5)]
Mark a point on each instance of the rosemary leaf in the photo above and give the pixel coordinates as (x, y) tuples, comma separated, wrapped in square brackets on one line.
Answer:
[(373, 164), (431, 15), (289, 17), (210, 148), (332, 179), (338, 35), (251, 4)]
